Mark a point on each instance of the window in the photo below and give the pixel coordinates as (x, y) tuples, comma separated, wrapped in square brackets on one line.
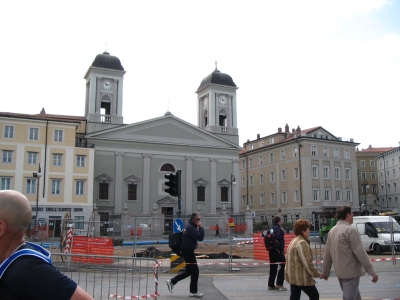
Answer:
[(261, 160), (372, 163), (349, 196), (243, 164), (313, 150), (347, 171), (8, 132), (251, 147), (251, 200), (34, 134), (284, 197), (295, 152), (79, 224), (373, 175), (32, 158), (336, 153), (283, 175), (261, 143), (31, 186), (56, 186), (262, 179), (201, 194), (338, 194), (243, 181), (362, 163), (224, 194), (346, 154), (80, 160), (325, 152), (296, 172), (374, 191), (327, 195), (103, 190), (57, 159), (244, 202), (272, 195), (315, 172), (337, 173), (271, 157), (7, 156), (132, 191), (58, 135), (251, 180), (250, 162), (271, 140), (5, 183), (394, 173), (79, 187), (262, 200), (326, 172), (167, 168), (283, 155), (387, 174), (296, 195), (316, 195), (272, 177)]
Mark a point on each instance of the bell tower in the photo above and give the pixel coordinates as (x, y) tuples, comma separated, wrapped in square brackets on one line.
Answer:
[(104, 89), (217, 107)]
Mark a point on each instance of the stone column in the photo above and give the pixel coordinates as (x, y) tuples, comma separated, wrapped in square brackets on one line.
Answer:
[(157, 222), (213, 186), (125, 220), (224, 231), (188, 186), (96, 225), (236, 187), (146, 183), (118, 186), (249, 221)]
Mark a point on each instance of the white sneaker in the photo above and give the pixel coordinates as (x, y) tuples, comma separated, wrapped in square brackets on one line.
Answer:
[(170, 285), (196, 294)]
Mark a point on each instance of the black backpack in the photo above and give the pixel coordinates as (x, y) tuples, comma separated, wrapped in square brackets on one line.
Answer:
[(269, 240), (175, 242)]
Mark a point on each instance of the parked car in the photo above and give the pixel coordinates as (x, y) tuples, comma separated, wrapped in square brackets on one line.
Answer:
[(378, 233)]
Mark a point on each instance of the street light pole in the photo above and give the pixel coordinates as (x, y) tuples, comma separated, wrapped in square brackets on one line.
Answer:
[(37, 176), (366, 186), (233, 182)]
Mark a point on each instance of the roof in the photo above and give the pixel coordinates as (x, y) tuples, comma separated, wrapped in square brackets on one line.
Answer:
[(107, 61), (44, 117), (217, 77), (376, 150)]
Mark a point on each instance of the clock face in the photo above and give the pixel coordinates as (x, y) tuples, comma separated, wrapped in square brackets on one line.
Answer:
[(222, 100), (106, 84), (205, 102)]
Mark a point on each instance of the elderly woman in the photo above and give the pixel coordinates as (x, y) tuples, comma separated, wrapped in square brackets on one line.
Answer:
[(300, 270)]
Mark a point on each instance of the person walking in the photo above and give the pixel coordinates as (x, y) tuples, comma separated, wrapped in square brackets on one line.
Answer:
[(26, 271), (300, 270), (345, 251), (193, 232), (277, 257), (216, 230)]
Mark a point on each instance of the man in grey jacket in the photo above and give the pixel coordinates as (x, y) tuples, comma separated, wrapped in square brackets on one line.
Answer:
[(344, 249)]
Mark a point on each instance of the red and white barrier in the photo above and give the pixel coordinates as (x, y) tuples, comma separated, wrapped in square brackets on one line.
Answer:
[(68, 242)]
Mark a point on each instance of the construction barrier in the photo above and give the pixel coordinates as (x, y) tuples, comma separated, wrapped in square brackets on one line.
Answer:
[(260, 253), (177, 263), (94, 246)]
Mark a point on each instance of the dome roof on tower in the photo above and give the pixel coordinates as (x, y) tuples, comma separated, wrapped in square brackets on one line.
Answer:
[(107, 61), (217, 77)]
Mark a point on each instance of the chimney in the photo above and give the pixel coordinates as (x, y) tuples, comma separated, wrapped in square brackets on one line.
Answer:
[(370, 147), (279, 130), (298, 129), (287, 128), (258, 136)]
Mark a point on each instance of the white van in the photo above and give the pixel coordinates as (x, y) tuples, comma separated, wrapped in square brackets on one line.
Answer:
[(378, 233)]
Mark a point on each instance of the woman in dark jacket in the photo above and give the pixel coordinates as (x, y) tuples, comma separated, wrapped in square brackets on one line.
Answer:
[(193, 232)]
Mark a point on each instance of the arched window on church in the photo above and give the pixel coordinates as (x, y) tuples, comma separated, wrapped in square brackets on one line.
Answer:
[(105, 108), (205, 118), (167, 168), (223, 121)]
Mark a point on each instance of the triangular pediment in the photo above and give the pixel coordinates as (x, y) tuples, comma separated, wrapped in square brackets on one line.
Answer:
[(167, 200), (224, 182), (104, 178), (164, 130), (320, 132), (201, 182), (132, 179)]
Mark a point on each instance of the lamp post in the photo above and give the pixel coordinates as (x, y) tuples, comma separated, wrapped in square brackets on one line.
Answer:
[(365, 187), (233, 182), (37, 176)]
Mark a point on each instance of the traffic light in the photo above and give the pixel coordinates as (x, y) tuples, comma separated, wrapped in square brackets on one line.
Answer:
[(173, 183)]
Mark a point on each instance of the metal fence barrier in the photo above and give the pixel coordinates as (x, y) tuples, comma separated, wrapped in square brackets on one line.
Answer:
[(105, 277)]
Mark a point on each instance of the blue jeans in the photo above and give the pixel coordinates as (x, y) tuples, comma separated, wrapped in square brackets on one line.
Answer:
[(191, 270)]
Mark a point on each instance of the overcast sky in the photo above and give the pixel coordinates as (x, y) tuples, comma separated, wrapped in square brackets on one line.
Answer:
[(334, 64)]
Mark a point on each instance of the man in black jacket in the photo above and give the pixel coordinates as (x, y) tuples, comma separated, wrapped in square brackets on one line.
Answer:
[(193, 232), (277, 255)]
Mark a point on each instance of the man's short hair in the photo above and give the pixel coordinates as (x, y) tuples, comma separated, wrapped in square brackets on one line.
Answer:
[(276, 219), (342, 212), (193, 217)]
